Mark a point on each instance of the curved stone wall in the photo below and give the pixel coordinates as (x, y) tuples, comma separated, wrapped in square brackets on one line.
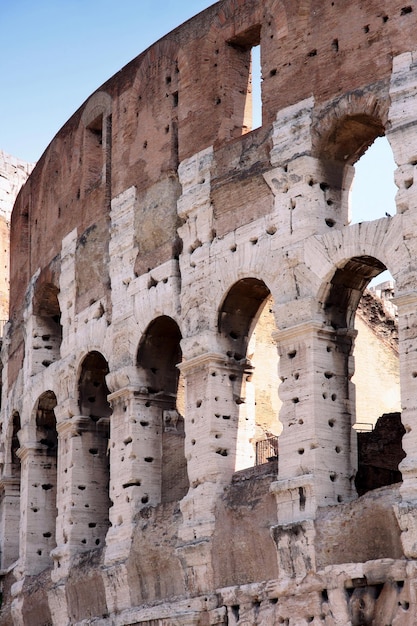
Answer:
[(157, 244)]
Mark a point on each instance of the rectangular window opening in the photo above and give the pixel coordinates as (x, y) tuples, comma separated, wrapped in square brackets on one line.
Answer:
[(256, 80), (247, 73)]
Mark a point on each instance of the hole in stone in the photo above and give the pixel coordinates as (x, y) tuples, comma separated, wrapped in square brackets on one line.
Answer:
[(333, 477), (135, 482), (328, 374), (292, 354), (97, 542), (331, 423), (83, 540), (198, 403), (226, 417), (312, 53), (47, 535), (81, 487), (406, 10), (334, 397), (300, 450), (302, 498), (273, 72), (330, 222), (236, 611), (296, 400), (222, 451), (338, 449), (47, 487), (193, 442), (143, 423), (148, 459), (92, 525), (145, 499), (335, 45)]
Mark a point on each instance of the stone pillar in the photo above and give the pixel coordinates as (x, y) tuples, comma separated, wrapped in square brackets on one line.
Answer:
[(83, 503), (407, 331), (135, 461), (38, 508), (10, 520), (402, 133), (317, 444), (212, 383)]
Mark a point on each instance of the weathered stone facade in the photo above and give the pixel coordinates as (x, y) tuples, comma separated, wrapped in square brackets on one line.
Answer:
[(13, 173), (156, 248)]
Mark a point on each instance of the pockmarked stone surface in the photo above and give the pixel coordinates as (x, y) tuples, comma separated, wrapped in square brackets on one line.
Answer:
[(192, 355)]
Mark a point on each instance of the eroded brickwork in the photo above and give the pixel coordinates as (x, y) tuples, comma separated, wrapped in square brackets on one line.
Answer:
[(184, 288)]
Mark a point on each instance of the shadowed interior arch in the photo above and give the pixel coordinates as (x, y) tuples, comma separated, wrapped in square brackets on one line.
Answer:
[(158, 355), (246, 323)]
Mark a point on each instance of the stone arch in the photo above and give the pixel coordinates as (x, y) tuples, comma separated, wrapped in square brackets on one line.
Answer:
[(96, 154), (342, 296), (340, 136), (246, 324), (346, 288), (15, 444), (47, 328), (158, 355), (91, 488)]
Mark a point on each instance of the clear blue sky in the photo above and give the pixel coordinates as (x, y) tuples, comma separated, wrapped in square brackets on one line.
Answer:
[(55, 53)]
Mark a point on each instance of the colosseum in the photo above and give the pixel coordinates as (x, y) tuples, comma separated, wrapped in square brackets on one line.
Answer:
[(179, 422)]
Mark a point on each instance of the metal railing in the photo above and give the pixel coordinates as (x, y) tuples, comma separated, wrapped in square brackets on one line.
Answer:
[(266, 450)]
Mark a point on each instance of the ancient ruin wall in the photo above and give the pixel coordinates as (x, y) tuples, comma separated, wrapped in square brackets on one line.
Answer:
[(150, 241), (13, 173)]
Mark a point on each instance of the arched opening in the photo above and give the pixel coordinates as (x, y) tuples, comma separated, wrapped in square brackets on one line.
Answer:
[(371, 386), (41, 483), (92, 479), (159, 353), (47, 329), (246, 323), (373, 189), (15, 445), (357, 169)]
